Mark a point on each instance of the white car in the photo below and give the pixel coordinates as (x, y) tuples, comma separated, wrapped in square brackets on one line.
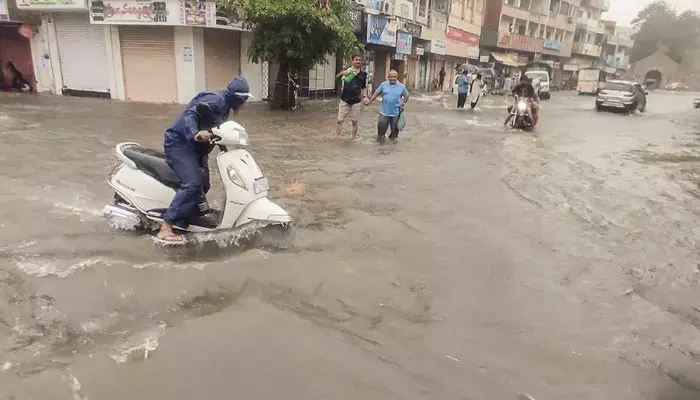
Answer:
[(696, 102), (543, 78)]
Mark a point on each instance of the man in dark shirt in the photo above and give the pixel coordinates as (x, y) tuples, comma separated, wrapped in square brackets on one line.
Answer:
[(525, 90), (352, 95)]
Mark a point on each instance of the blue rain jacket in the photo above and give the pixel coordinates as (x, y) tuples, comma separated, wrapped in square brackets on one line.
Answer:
[(187, 125)]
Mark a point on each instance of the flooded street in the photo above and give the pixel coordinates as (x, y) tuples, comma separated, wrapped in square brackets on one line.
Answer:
[(465, 262)]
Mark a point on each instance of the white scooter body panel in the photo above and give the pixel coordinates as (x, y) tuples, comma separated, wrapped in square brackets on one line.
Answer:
[(141, 190), (242, 205)]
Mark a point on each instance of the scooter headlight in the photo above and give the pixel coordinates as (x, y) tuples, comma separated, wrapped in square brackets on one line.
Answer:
[(235, 178), (522, 106)]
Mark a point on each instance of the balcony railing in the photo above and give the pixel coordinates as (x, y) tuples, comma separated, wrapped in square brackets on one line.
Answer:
[(587, 49), (620, 41), (530, 44), (590, 25), (560, 21), (599, 4)]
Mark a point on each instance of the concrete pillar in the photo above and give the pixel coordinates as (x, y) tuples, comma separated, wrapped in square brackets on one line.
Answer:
[(253, 72), (54, 58), (41, 57), (200, 82), (114, 62), (186, 64)]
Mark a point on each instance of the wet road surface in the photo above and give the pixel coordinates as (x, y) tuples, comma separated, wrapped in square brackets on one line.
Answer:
[(464, 262)]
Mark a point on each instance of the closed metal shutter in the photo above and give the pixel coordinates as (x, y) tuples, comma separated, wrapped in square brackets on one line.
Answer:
[(148, 62), (82, 52), (222, 57)]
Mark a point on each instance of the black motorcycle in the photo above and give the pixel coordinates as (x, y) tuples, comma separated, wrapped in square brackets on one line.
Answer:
[(520, 115)]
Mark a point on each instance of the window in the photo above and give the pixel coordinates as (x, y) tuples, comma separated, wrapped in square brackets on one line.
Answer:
[(554, 6), (565, 7)]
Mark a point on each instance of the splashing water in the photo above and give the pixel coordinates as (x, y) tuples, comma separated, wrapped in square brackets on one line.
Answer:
[(138, 346)]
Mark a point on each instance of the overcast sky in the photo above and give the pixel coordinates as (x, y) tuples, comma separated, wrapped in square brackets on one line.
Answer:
[(624, 11)]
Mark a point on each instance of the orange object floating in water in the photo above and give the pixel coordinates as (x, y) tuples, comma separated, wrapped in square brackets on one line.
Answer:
[(294, 189)]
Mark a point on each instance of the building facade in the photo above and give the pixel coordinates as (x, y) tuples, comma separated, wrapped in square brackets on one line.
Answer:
[(618, 44), (164, 51), (590, 34), (516, 33), (462, 36)]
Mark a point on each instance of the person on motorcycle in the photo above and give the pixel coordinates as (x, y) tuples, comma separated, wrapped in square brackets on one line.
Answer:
[(187, 149), (525, 90)]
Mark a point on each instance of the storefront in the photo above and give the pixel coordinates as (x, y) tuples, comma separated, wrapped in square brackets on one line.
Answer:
[(83, 55), (148, 63), (15, 48), (406, 44), (461, 46), (146, 45), (222, 57), (381, 39), (435, 62)]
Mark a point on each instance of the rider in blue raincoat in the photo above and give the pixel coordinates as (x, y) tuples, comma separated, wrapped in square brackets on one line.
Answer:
[(187, 148)]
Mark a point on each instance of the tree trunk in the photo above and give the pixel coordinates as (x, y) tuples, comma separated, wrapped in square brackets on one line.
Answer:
[(283, 96)]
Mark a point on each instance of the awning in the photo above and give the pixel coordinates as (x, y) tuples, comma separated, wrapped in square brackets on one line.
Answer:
[(505, 59)]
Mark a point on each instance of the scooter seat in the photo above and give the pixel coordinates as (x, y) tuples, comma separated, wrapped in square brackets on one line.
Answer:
[(153, 164)]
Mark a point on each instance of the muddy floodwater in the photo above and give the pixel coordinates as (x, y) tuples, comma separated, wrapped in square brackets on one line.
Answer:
[(464, 262)]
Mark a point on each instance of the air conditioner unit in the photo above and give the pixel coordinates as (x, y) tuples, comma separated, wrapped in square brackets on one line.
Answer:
[(386, 7)]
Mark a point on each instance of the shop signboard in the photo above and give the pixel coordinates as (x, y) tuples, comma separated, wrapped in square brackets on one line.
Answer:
[(203, 13), (438, 46), (420, 50), (356, 19), (414, 29), (380, 30), (226, 19), (125, 12), (51, 5), (553, 44), (404, 43), (459, 35)]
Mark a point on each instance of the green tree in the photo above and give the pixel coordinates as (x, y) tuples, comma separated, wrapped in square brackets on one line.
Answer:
[(296, 34), (661, 28)]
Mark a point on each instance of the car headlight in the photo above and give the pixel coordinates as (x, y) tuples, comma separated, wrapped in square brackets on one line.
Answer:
[(522, 106), (235, 178)]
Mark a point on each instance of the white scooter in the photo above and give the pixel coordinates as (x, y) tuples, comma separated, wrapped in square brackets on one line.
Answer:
[(144, 185)]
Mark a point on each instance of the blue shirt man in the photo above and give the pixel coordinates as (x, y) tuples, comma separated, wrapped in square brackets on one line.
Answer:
[(394, 97), (463, 84), (187, 147)]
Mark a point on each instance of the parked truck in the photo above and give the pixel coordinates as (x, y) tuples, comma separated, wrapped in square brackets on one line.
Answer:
[(590, 81)]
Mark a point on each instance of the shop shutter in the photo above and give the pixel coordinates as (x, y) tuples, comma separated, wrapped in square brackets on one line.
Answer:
[(82, 53), (222, 57), (148, 61)]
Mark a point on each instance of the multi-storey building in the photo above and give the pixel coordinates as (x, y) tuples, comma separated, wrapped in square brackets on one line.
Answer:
[(590, 33), (617, 47), (462, 35), (406, 36), (519, 32)]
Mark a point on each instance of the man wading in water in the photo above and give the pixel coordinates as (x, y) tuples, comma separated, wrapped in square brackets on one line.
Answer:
[(394, 98), (354, 88)]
